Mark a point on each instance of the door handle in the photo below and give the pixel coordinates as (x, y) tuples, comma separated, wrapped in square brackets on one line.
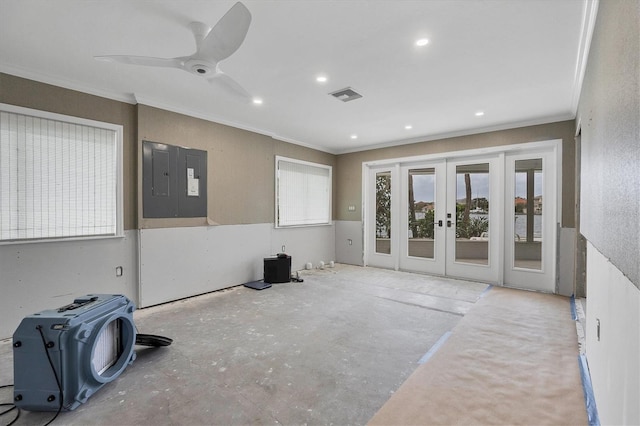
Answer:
[(439, 223), (449, 223)]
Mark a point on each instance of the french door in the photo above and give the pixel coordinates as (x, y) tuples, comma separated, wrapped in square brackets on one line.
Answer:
[(422, 223), (530, 222), (475, 217)]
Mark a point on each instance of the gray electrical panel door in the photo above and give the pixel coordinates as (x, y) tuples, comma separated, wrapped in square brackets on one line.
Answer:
[(160, 166), (174, 181), (159, 184)]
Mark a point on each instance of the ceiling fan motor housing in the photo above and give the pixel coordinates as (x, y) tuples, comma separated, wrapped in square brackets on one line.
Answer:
[(200, 67)]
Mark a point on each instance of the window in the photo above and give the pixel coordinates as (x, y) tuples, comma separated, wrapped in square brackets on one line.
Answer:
[(59, 176), (303, 193)]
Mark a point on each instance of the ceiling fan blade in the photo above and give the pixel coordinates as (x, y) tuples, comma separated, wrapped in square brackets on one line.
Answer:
[(230, 85), (227, 35), (143, 60)]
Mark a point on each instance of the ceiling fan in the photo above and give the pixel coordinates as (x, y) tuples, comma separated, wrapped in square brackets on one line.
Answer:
[(212, 46)]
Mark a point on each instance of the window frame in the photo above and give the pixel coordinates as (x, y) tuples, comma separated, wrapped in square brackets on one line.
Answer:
[(119, 192), (329, 206)]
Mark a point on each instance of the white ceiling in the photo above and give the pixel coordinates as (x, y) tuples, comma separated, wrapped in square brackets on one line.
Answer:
[(519, 61)]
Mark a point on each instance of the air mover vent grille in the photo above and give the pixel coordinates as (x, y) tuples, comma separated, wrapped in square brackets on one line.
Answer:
[(107, 348), (345, 95)]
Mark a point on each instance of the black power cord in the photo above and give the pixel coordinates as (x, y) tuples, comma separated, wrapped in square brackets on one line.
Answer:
[(12, 407), (152, 340), (55, 374)]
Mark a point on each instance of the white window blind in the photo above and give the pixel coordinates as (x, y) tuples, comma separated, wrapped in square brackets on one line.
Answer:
[(303, 193), (58, 179)]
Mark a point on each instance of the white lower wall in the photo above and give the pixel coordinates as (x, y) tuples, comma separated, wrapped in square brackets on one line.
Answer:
[(614, 360), (348, 244), (38, 276), (566, 258), (180, 262), (309, 244), (174, 263)]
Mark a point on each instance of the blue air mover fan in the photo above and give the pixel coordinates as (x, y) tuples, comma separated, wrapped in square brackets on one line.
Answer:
[(63, 356)]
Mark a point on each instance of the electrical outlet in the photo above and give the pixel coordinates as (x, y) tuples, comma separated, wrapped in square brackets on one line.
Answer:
[(119, 271), (350, 241), (283, 250), (598, 328)]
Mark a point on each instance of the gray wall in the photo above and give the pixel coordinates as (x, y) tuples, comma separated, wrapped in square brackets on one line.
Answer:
[(240, 163), (241, 166), (349, 189), (349, 166), (45, 97), (609, 115), (241, 170), (37, 276), (609, 118)]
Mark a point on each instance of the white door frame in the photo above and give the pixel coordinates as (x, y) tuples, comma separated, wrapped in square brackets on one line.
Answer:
[(553, 146)]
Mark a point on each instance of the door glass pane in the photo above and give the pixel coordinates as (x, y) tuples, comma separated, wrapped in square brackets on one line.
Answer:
[(472, 214), (422, 205), (528, 214), (383, 212)]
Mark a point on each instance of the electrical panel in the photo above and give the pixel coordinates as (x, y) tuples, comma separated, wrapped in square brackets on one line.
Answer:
[(174, 181)]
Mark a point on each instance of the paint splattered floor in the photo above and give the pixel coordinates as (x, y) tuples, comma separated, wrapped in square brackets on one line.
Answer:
[(330, 350)]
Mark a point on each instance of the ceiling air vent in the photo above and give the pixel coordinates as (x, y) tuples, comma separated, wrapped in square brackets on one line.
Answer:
[(346, 95)]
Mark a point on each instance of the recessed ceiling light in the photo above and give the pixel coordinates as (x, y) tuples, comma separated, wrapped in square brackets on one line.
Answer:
[(479, 113), (321, 79), (408, 127), (354, 136), (257, 101), (422, 42)]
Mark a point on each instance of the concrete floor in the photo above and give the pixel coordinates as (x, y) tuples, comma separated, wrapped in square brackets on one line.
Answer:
[(330, 350)]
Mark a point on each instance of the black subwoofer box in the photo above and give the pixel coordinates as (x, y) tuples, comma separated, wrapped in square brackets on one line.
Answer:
[(277, 269)]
